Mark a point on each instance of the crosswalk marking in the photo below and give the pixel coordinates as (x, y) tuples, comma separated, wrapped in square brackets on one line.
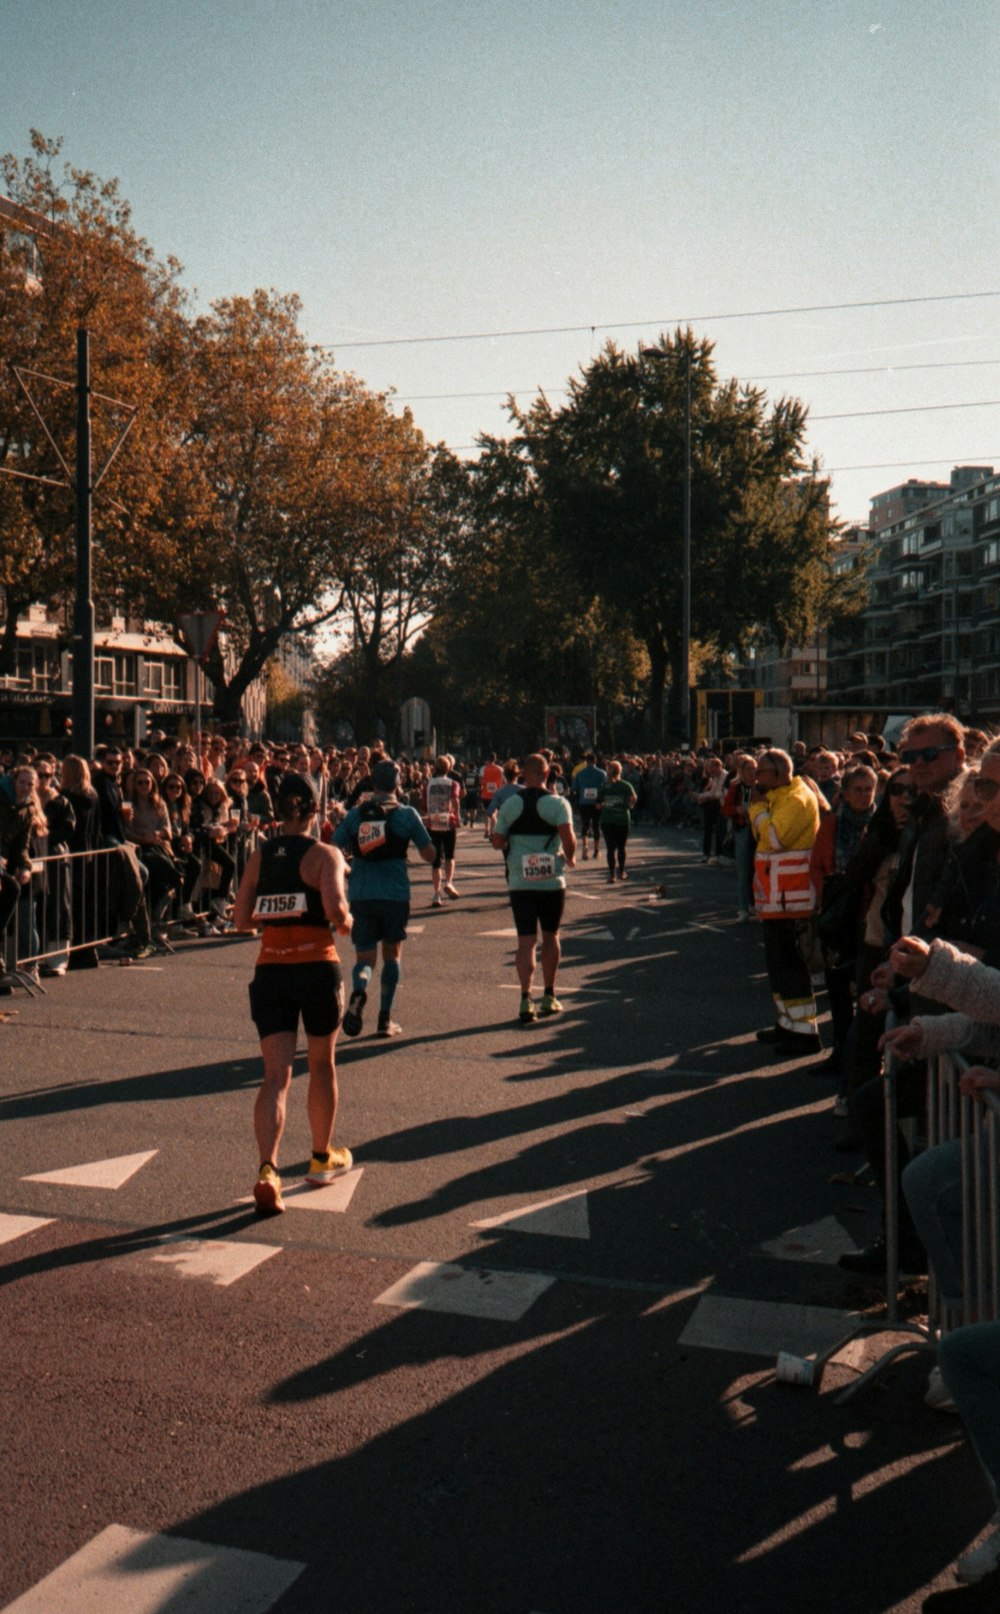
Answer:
[(336, 1196), (466, 1291), (764, 1327), (15, 1227), (96, 1173), (564, 1217), (224, 1261), (125, 1571), (822, 1242)]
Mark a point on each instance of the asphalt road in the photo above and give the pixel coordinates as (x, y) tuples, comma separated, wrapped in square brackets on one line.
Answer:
[(521, 1360)]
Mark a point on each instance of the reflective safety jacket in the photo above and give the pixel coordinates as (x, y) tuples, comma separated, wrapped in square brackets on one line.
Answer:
[(785, 825)]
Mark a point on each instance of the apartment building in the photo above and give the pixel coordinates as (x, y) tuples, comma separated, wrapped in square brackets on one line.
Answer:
[(929, 637)]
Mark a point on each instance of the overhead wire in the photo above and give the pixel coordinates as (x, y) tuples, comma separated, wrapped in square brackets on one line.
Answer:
[(672, 320)]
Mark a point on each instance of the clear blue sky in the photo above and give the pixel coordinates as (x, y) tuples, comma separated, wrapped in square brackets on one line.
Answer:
[(428, 170)]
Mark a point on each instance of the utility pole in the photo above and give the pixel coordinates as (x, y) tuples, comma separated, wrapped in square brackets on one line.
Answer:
[(83, 605), (684, 693)]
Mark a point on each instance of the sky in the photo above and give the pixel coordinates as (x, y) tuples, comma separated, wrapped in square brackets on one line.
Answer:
[(471, 199)]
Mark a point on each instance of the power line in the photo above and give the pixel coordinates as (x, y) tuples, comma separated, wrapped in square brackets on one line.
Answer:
[(787, 375), (915, 409), (676, 319)]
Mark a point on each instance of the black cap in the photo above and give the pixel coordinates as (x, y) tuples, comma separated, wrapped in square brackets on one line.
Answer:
[(295, 794), (385, 777)]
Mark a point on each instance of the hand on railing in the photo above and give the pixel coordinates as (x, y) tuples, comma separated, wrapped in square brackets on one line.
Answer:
[(904, 1042), (909, 957), (875, 1001), (978, 1080)]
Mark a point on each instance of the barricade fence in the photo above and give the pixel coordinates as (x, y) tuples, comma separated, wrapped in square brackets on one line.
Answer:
[(960, 1170), (76, 902), (965, 1131)]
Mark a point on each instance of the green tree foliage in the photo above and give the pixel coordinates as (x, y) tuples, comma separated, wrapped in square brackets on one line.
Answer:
[(603, 479), (515, 627)]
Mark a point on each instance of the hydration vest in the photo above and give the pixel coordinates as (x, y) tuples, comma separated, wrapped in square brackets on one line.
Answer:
[(530, 820)]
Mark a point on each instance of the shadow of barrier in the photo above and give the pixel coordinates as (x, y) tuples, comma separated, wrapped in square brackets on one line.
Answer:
[(963, 1139)]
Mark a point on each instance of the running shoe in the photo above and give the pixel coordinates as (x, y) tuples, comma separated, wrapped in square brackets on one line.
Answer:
[(323, 1168), (352, 1014), (437, 900), (451, 892), (387, 1026), (527, 1011), (550, 1004), (267, 1192), (143, 950)]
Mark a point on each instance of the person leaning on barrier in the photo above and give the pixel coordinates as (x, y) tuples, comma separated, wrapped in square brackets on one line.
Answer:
[(933, 750), (784, 813), (969, 1357)]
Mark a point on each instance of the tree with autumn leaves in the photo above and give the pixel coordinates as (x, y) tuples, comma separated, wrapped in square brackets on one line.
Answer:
[(256, 478)]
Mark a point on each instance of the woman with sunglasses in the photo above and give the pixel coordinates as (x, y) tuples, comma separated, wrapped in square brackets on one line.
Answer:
[(149, 832), (178, 806)]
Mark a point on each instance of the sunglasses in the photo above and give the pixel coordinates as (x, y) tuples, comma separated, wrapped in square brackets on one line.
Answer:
[(901, 790), (926, 753), (985, 789)]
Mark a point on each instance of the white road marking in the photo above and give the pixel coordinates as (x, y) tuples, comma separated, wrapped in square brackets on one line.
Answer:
[(510, 932), (823, 1242), (415, 930), (336, 1196), (225, 1261), (129, 1572), (15, 1227), (591, 935), (764, 1327), (97, 1173), (466, 1291), (565, 1217)]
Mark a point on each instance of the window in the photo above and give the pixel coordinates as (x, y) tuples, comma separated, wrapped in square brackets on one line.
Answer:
[(36, 667), (125, 675), (152, 678)]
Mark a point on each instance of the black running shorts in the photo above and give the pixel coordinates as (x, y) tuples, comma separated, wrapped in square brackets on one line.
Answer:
[(534, 908), (279, 993)]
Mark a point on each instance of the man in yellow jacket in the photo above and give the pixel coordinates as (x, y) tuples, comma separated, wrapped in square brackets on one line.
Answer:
[(784, 814)]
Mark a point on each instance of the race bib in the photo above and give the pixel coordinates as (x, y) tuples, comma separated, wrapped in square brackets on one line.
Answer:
[(373, 835), (590, 793), (280, 905), (538, 866), (440, 821)]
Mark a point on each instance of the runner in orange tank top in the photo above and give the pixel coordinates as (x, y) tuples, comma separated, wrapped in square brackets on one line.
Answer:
[(294, 890)]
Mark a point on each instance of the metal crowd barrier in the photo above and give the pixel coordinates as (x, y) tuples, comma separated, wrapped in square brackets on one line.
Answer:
[(975, 1124), (79, 901)]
